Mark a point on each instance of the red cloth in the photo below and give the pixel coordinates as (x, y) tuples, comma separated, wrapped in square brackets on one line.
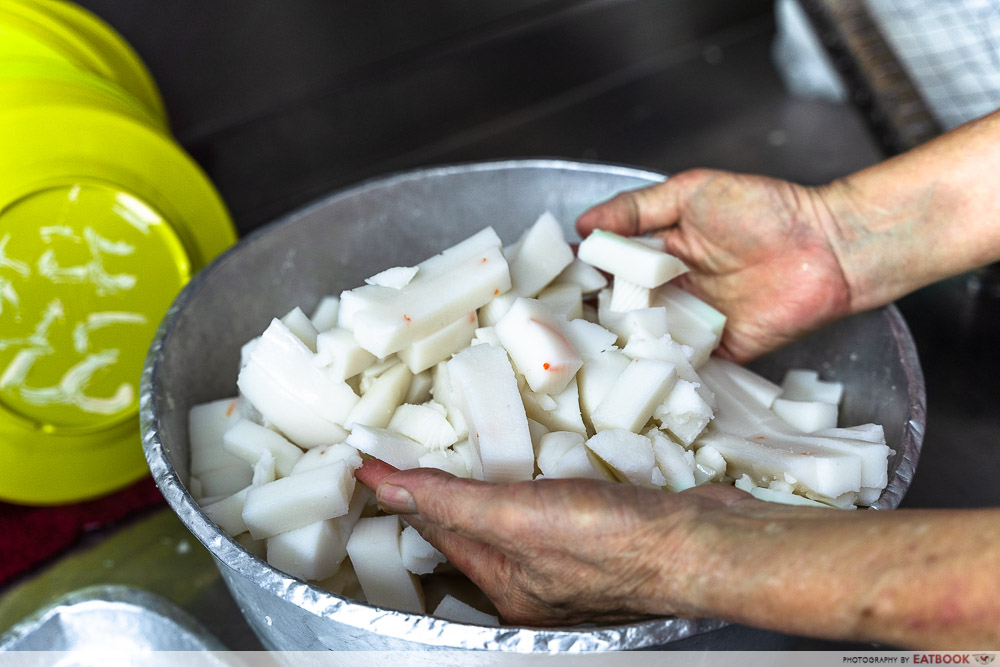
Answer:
[(31, 535)]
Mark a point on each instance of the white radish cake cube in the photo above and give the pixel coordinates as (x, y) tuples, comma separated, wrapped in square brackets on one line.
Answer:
[(806, 416), (564, 414), (397, 277), (246, 350), (510, 251), (453, 609), (374, 552), (578, 462), (298, 500), (684, 412), (206, 424), (445, 459), (310, 552), (264, 470), (247, 440), (286, 359), (642, 386), (486, 336), (420, 389), (654, 242), (589, 339), (647, 322), (441, 344), (595, 379), (820, 470), (675, 463), (589, 279), (537, 431), (430, 303), (624, 258), (224, 481), (539, 349), (709, 460), (316, 551), (667, 349), (552, 446), (755, 386), (678, 301), (484, 382), (289, 414), (354, 301), (738, 413), (300, 325), (541, 256), (344, 582), (368, 376), (805, 385), (471, 458), (418, 555), (324, 316), (446, 261), (395, 449), (627, 453), (340, 355), (441, 391), (326, 455), (227, 513), (783, 497), (565, 301), (381, 400), (428, 426), (873, 433), (496, 308), (626, 296)]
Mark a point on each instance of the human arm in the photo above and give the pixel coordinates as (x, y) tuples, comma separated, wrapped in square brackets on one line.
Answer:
[(555, 552), (781, 260)]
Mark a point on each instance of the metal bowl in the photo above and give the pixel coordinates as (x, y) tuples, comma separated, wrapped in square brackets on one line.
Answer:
[(399, 220)]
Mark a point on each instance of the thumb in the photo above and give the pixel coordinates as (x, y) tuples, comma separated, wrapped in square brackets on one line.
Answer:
[(636, 212)]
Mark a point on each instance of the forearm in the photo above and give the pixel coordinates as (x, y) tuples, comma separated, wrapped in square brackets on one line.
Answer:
[(905, 578), (928, 214)]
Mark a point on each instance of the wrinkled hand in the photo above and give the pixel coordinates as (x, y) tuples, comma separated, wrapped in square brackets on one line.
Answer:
[(760, 250), (557, 552)]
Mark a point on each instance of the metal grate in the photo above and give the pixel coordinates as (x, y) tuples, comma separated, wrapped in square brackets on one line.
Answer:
[(878, 84)]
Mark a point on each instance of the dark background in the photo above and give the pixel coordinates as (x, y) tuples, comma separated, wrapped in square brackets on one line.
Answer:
[(282, 102)]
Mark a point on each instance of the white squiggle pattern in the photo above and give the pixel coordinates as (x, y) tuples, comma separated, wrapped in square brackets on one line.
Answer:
[(94, 321), (93, 271), (19, 267), (71, 388)]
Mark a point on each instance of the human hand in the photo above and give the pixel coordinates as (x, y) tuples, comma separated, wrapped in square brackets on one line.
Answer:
[(761, 250), (557, 552)]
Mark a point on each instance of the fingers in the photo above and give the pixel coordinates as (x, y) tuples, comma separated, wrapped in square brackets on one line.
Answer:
[(373, 471), (640, 211)]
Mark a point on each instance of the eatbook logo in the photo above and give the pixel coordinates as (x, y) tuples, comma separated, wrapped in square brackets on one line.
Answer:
[(984, 658)]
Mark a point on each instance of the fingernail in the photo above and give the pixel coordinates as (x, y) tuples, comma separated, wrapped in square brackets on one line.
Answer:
[(396, 499)]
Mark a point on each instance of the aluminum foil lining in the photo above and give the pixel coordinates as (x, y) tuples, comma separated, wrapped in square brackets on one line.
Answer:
[(100, 620), (333, 245)]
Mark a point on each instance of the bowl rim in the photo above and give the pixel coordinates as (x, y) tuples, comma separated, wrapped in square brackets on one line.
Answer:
[(401, 625)]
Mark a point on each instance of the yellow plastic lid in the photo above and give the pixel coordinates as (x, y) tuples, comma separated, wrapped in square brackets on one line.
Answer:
[(36, 83), (94, 245), (123, 64)]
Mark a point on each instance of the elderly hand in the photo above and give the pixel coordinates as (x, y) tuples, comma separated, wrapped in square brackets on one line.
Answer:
[(759, 249), (557, 552)]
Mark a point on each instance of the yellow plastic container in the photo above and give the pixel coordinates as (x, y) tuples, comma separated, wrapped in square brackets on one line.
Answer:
[(103, 218), (27, 84), (64, 33)]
